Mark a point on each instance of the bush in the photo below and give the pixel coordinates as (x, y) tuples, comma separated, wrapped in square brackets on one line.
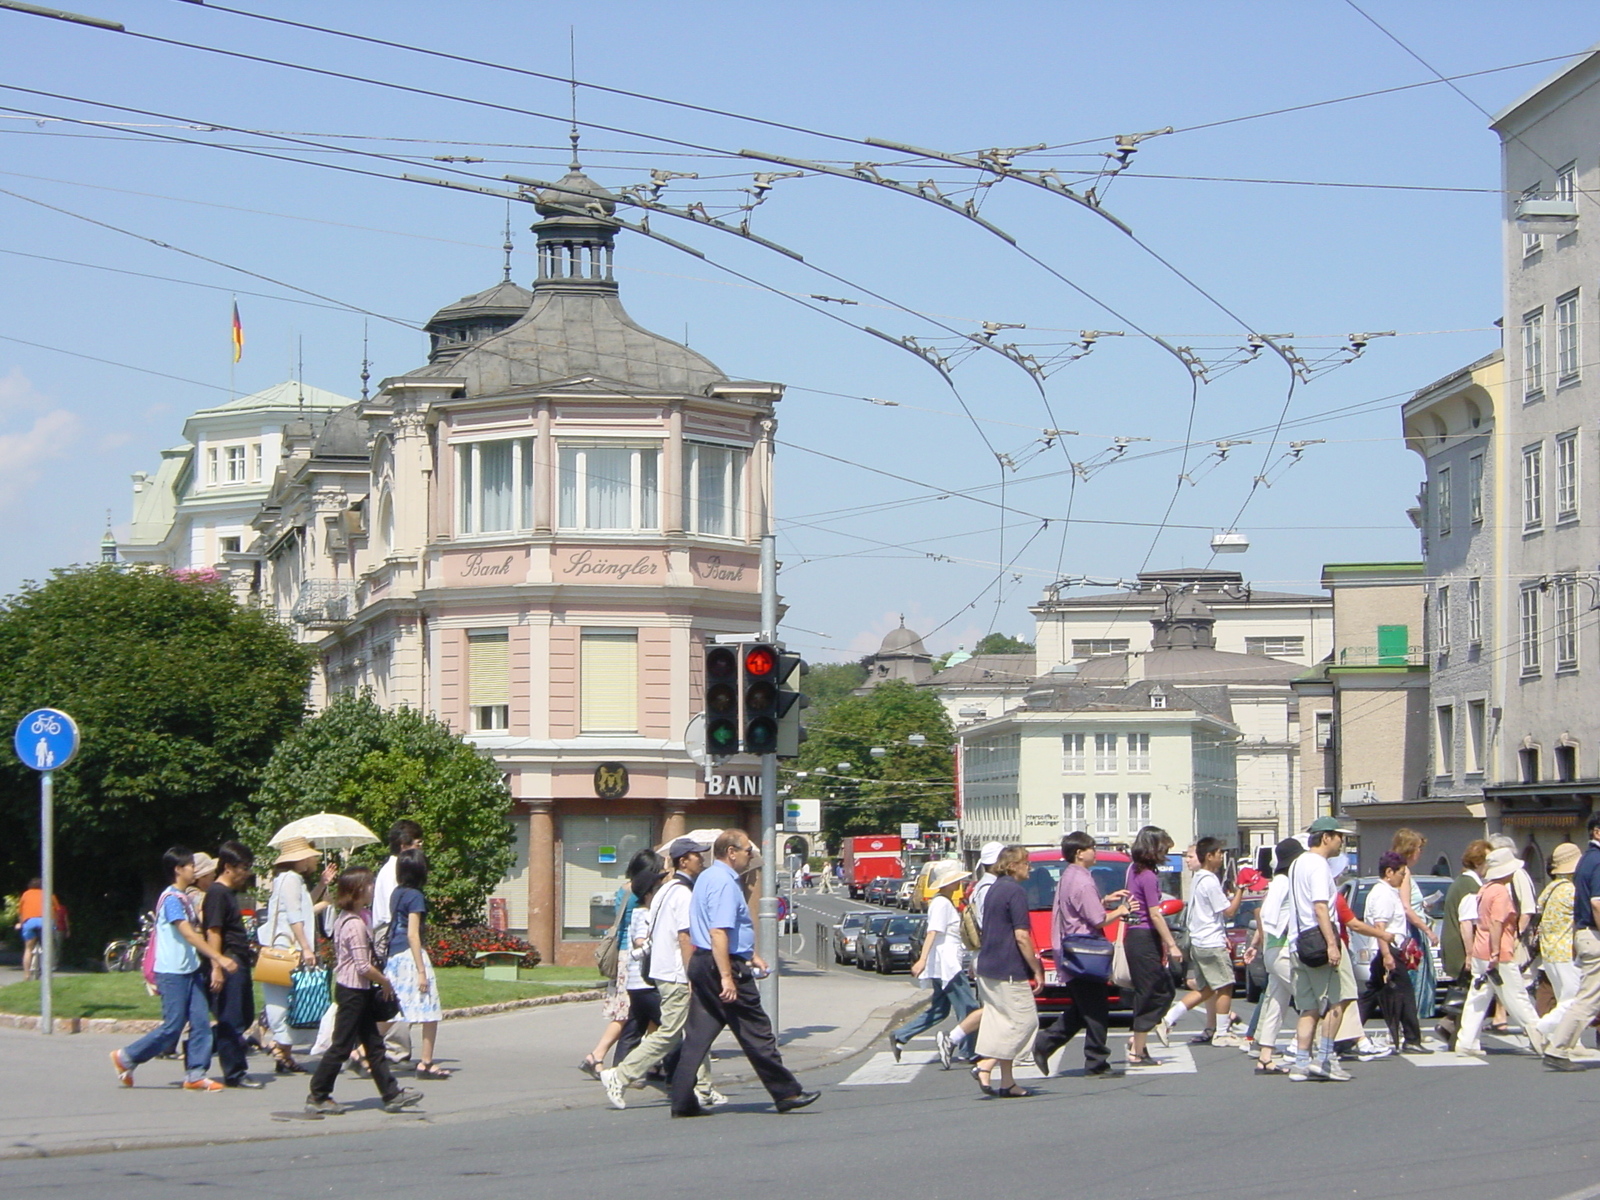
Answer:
[(459, 945)]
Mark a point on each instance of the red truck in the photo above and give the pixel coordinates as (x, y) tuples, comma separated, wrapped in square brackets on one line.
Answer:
[(876, 856)]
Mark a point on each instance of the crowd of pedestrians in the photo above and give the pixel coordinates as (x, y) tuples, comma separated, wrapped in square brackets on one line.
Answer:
[(203, 952)]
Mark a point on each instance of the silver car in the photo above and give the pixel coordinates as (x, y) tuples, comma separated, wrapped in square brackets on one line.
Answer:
[(1365, 949), (846, 933)]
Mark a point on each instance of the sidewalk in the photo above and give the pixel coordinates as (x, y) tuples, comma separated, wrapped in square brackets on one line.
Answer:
[(66, 1100)]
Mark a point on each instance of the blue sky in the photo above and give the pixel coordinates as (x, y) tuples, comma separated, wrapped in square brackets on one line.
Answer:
[(859, 548)]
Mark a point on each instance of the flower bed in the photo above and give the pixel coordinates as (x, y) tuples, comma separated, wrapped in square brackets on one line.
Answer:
[(460, 945)]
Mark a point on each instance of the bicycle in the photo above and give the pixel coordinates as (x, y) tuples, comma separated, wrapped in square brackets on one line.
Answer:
[(127, 954)]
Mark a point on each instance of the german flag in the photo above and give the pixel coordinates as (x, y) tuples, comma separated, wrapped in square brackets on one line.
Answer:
[(238, 334)]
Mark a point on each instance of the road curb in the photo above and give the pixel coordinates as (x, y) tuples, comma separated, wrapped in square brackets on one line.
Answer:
[(128, 1025)]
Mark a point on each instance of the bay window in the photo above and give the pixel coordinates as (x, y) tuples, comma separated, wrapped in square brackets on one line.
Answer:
[(495, 492), (712, 477), (610, 487)]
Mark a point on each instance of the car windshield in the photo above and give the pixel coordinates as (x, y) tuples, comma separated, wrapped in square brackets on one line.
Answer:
[(876, 923), (1043, 878), (1433, 893), (900, 927)]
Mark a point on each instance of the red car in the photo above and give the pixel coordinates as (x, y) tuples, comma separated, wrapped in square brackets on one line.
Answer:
[(1109, 871)]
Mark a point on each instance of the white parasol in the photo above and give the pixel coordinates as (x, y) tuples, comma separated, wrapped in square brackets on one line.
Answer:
[(705, 836), (326, 831)]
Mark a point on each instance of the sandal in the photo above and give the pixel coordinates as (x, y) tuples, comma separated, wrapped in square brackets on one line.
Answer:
[(1015, 1092), (1271, 1068), (983, 1084), (428, 1070), (590, 1066), (1140, 1060)]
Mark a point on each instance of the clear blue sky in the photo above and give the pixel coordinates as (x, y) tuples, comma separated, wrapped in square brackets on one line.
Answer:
[(1287, 259)]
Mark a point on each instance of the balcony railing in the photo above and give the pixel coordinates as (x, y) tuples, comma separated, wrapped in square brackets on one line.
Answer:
[(1385, 656), (325, 603)]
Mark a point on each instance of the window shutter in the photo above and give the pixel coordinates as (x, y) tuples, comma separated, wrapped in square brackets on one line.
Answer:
[(488, 667), (1394, 644), (609, 681)]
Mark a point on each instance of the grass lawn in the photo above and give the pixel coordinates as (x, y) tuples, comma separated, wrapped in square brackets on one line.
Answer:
[(123, 995)]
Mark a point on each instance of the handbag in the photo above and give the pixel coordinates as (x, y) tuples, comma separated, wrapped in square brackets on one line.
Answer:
[(1085, 956), (385, 1008), (309, 996), (1121, 973), (277, 965), (606, 953), (1311, 947)]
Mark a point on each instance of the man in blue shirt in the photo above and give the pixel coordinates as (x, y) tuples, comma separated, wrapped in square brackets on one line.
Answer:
[(1585, 956), (722, 982)]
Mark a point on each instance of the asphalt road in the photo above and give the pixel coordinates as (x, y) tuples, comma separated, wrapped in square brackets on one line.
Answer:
[(1209, 1127)]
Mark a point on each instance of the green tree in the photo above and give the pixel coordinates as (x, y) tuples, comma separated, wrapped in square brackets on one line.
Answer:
[(378, 765), (1000, 643), (825, 684), (180, 696), (875, 795)]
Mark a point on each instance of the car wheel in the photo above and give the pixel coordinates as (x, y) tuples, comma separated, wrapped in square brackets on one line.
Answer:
[(883, 967)]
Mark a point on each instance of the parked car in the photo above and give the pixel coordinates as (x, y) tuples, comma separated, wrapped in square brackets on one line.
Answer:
[(1365, 949), (1239, 932), (867, 940), (845, 932), (904, 893), (900, 943), (1109, 872), (881, 890)]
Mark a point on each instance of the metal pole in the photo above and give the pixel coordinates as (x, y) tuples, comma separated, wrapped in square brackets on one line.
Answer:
[(767, 917), (47, 875)]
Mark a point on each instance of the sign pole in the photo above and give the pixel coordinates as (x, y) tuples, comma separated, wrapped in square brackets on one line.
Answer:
[(767, 917), (46, 740), (47, 874)]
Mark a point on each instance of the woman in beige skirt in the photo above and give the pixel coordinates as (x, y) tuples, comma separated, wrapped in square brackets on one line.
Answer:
[(1008, 974)]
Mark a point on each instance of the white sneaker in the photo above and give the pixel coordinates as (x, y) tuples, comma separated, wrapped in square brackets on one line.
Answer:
[(711, 1098), (942, 1040), (614, 1089), (1299, 1074), (1227, 1039), (1249, 1045), (1335, 1072), (1317, 1070), (1163, 1033)]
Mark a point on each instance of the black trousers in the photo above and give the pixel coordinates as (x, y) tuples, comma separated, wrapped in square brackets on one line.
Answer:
[(1153, 987), (356, 1024), (710, 1014), (644, 1010), (1394, 998), (1090, 1012), (233, 1007)]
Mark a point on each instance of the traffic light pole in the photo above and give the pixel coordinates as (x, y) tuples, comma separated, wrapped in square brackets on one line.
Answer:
[(767, 912)]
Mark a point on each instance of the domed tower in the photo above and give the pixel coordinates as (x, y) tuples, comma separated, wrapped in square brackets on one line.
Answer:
[(456, 328), (900, 656)]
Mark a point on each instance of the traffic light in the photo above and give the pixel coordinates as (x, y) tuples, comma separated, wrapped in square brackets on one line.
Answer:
[(758, 691), (722, 701), (790, 703)]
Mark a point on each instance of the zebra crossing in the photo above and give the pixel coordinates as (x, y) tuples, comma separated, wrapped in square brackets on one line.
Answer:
[(920, 1053)]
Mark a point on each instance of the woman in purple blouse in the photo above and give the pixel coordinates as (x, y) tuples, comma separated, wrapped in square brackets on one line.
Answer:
[(1147, 941)]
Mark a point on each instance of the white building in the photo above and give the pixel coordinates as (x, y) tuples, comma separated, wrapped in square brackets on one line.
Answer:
[(197, 508), (1541, 776), (1290, 626)]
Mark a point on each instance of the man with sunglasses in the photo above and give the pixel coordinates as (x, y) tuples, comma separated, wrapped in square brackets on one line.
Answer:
[(722, 982)]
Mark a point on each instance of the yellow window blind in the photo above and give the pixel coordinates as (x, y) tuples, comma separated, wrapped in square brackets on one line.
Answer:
[(488, 667), (609, 682)]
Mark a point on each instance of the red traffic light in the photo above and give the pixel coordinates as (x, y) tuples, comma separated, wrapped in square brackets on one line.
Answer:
[(760, 661)]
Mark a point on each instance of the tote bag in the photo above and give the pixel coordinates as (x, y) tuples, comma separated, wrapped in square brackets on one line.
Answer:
[(1121, 974)]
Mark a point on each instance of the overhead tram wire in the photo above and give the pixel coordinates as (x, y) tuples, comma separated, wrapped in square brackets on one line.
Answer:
[(215, 387)]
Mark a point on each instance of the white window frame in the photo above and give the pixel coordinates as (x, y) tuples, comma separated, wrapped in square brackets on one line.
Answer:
[(733, 483), (257, 462), (1533, 354), (1106, 818), (1477, 740), (1075, 811), (1288, 646), (1475, 612), (1567, 181), (213, 467), (1475, 488), (1442, 501), (1566, 623), (1529, 631), (1533, 486), (1073, 758), (1138, 810), (489, 706), (1532, 243), (1087, 647), (1568, 339), (233, 464), (1441, 619), (1567, 476), (469, 479), (644, 506), (1138, 749), (1105, 754)]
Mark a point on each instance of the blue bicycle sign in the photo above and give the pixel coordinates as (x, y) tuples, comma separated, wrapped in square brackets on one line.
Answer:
[(46, 739)]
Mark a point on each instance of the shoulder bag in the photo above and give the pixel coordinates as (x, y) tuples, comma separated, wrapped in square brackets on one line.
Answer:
[(971, 935), (276, 964), (1121, 973), (1085, 956), (606, 953)]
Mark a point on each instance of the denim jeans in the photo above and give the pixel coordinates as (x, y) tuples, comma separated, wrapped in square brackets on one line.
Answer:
[(954, 996), (183, 1002)]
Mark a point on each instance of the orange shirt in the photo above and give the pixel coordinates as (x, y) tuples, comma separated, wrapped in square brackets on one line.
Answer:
[(1497, 920), (31, 905)]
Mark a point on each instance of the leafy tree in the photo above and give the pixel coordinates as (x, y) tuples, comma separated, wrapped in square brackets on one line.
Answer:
[(826, 684), (1000, 643), (180, 696), (378, 765), (909, 783)]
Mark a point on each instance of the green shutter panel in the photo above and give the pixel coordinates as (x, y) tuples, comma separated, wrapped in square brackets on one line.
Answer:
[(1394, 644)]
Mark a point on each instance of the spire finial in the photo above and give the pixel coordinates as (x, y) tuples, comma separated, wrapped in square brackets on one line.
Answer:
[(366, 363), (507, 246), (572, 60)]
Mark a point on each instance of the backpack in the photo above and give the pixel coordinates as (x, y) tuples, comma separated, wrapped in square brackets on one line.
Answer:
[(147, 964), (971, 935)]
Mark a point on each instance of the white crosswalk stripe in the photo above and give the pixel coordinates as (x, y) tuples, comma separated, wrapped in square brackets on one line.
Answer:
[(882, 1068)]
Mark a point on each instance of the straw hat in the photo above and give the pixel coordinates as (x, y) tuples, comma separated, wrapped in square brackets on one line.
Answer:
[(204, 864), (1564, 859), (294, 850), (1502, 864), (945, 872)]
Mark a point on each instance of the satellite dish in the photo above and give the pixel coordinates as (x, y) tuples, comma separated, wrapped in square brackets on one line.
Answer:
[(694, 741)]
